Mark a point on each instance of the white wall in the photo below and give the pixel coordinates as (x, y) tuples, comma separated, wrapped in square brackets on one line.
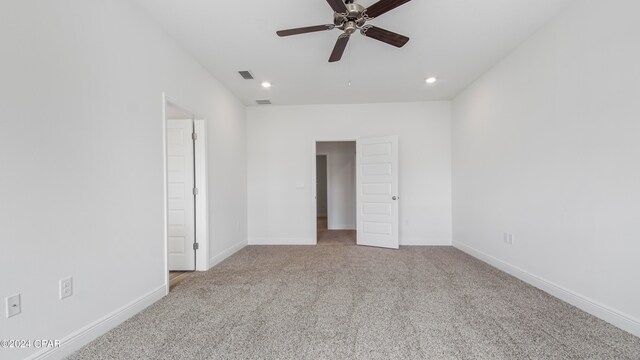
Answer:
[(280, 147), (545, 146), (227, 167), (81, 190), (341, 184)]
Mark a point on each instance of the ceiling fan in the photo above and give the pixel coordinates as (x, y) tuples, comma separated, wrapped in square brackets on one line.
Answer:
[(349, 17)]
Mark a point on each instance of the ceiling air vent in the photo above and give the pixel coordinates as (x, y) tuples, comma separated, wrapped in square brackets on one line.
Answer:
[(247, 75), (263, 102)]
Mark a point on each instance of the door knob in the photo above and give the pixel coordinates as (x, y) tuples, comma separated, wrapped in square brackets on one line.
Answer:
[(394, 198)]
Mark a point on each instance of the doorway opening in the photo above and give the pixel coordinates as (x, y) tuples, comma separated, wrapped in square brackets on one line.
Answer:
[(365, 205), (186, 239), (335, 192)]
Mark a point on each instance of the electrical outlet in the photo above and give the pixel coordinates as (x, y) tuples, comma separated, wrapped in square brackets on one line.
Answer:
[(66, 287), (13, 305)]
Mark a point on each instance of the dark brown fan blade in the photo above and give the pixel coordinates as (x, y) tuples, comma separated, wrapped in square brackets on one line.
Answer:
[(383, 6), (304, 30), (338, 6), (386, 36), (338, 50)]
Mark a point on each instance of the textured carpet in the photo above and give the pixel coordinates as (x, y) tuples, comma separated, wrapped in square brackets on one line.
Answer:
[(348, 302), (337, 237), (176, 277), (334, 237)]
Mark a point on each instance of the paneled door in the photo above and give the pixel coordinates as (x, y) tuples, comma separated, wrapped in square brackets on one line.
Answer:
[(377, 187), (181, 201)]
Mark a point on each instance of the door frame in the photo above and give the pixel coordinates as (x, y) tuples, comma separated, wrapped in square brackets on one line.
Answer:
[(328, 186), (201, 182), (314, 188)]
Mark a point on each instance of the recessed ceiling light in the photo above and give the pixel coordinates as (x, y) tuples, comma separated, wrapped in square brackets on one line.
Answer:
[(266, 84), (431, 80)]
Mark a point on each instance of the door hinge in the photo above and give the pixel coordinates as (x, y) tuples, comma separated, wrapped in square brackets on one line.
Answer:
[(196, 246), (195, 191), (194, 136)]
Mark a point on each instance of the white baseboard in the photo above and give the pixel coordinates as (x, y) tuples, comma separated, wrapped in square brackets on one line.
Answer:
[(281, 241), (604, 312), (308, 241), (80, 338), (341, 226), (424, 242), (226, 253)]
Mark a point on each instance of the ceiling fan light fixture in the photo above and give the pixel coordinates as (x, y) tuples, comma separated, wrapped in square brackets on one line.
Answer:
[(431, 80)]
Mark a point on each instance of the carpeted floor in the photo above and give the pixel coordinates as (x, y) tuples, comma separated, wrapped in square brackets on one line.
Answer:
[(176, 277), (348, 302), (334, 237), (337, 237)]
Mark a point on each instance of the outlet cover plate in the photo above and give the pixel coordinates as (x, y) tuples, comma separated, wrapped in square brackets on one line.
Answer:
[(66, 287), (13, 305)]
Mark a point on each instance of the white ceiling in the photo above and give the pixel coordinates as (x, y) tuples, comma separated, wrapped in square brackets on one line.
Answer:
[(455, 40)]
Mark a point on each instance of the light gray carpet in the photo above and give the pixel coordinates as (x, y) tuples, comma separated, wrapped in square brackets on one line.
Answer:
[(348, 302), (337, 237), (334, 237)]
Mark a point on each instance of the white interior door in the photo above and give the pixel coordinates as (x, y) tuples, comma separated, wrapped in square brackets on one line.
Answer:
[(180, 178), (377, 183)]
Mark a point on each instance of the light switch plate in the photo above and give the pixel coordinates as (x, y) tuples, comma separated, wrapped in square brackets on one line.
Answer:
[(13, 305)]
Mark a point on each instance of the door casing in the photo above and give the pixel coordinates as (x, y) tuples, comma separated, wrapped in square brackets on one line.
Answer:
[(314, 194), (314, 153), (201, 179)]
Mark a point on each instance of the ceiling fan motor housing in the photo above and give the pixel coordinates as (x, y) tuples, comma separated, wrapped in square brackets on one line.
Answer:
[(352, 19), (350, 27)]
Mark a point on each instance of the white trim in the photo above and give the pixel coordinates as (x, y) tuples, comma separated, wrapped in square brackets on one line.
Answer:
[(282, 241), (76, 340), (424, 242), (226, 253), (314, 195), (165, 197), (604, 312), (202, 200)]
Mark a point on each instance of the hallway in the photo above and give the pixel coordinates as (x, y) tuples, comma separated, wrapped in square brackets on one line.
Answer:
[(334, 237)]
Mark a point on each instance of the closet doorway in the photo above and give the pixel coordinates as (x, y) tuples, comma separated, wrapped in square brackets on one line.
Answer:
[(336, 192)]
